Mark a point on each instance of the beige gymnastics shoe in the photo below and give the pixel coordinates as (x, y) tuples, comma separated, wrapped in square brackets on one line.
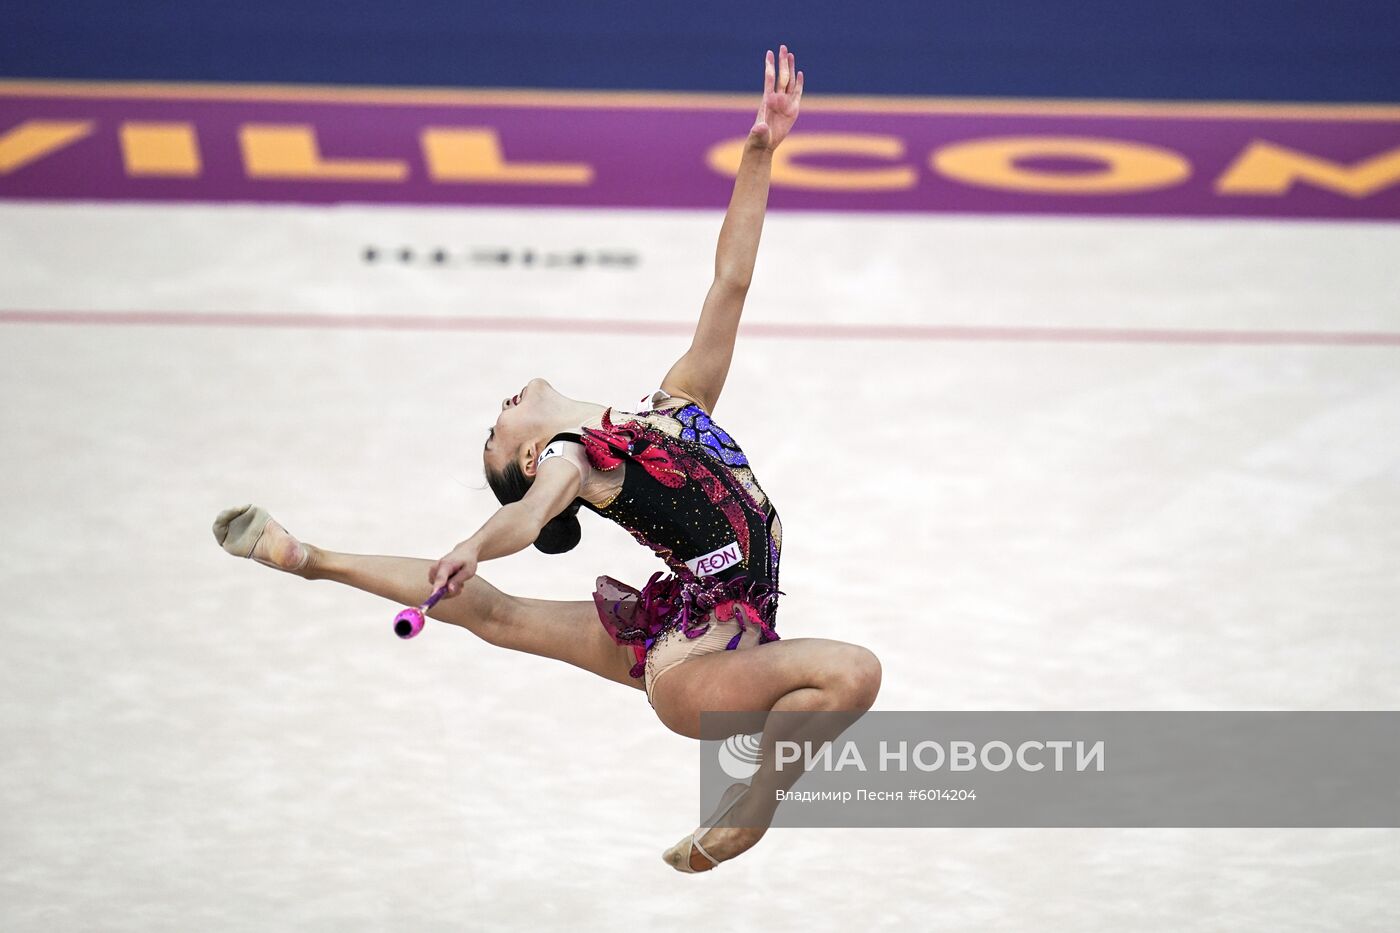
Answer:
[(250, 531), (679, 855)]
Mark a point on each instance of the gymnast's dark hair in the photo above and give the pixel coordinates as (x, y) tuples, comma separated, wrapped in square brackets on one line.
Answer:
[(560, 533)]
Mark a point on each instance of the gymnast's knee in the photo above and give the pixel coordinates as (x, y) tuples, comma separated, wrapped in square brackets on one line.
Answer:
[(482, 609), (858, 677)]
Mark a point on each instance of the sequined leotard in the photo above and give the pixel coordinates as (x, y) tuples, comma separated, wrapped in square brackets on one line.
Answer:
[(689, 495)]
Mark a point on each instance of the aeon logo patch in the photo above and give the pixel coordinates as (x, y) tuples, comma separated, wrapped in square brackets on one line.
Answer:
[(715, 561)]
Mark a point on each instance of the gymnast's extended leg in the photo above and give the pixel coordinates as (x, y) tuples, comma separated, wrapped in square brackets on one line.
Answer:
[(566, 630)]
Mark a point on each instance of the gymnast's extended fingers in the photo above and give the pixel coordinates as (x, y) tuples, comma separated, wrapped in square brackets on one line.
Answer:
[(782, 68), (768, 73)]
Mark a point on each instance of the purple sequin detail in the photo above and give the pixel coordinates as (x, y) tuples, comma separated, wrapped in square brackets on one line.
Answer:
[(718, 444)]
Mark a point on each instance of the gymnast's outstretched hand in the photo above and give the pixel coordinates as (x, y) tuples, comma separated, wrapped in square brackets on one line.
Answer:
[(782, 92), (454, 570)]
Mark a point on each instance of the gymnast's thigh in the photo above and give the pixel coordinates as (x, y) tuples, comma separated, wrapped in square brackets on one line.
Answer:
[(567, 630), (747, 680)]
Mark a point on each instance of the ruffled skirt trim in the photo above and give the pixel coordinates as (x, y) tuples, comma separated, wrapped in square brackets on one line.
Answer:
[(639, 617)]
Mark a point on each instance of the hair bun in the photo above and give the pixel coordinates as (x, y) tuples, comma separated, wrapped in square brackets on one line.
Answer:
[(561, 533)]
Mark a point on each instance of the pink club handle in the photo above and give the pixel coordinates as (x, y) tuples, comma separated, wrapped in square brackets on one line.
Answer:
[(409, 622)]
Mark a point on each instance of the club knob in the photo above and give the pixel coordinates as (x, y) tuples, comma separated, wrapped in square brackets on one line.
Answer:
[(408, 623)]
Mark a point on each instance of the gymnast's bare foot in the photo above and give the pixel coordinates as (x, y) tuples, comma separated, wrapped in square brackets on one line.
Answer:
[(250, 531)]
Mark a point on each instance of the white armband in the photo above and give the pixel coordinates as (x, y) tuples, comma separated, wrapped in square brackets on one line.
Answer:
[(553, 450)]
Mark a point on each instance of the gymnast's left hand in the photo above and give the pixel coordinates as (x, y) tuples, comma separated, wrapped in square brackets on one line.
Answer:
[(454, 570), (782, 94)]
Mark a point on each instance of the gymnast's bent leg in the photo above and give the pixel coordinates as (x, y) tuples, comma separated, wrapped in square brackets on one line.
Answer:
[(834, 680)]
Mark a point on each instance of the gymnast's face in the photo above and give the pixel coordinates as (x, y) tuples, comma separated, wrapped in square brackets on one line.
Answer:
[(515, 436)]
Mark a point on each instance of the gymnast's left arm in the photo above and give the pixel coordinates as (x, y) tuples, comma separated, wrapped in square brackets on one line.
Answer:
[(513, 527), (699, 375)]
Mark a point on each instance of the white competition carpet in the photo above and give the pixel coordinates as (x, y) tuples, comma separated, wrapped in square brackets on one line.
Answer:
[(1162, 508)]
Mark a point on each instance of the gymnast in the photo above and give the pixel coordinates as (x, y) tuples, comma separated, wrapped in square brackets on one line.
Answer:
[(699, 636)]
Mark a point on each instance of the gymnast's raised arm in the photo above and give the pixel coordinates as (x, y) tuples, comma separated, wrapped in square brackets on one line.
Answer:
[(699, 375)]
